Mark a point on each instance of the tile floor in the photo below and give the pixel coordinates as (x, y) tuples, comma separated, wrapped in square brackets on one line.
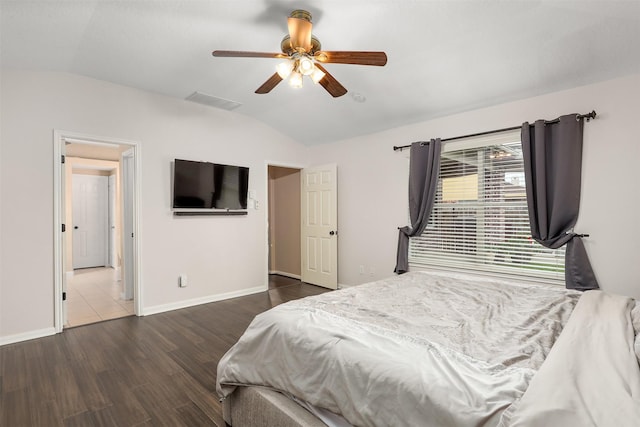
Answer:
[(93, 295)]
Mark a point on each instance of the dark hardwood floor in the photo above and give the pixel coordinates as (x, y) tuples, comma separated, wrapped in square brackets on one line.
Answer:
[(278, 281), (156, 370)]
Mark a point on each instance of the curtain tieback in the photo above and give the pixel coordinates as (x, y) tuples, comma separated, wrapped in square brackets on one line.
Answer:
[(559, 241), (406, 230)]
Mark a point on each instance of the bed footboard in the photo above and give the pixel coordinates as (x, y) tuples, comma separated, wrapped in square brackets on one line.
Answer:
[(261, 407)]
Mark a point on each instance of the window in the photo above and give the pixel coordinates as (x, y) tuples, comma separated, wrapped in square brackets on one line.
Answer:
[(479, 220)]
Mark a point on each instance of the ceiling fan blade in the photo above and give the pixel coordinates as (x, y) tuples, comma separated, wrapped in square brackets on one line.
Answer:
[(348, 57), (269, 84), (330, 83), (242, 54), (300, 33)]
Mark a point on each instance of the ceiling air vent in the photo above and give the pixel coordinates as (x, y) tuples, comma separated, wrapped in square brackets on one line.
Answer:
[(213, 101)]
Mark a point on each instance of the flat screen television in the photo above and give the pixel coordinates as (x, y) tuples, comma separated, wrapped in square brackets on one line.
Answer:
[(204, 185)]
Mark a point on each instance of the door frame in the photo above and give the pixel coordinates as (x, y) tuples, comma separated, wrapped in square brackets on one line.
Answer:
[(127, 172), (266, 209), (59, 139)]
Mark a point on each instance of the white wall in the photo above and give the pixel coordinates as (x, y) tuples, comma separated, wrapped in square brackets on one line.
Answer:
[(205, 248), (372, 179), (372, 187)]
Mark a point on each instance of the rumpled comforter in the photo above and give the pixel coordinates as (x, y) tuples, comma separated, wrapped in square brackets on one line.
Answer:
[(591, 376), (417, 349)]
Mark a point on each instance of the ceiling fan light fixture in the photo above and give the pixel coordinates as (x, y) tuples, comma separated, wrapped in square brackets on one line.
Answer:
[(303, 56), (295, 80), (317, 75), (284, 69), (305, 66)]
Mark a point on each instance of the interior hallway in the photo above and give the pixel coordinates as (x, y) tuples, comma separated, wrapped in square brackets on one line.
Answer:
[(93, 295)]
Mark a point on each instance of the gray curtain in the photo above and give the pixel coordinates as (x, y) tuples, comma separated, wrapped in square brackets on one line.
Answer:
[(424, 167), (552, 153)]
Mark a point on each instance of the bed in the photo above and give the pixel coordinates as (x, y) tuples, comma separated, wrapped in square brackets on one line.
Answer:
[(437, 349)]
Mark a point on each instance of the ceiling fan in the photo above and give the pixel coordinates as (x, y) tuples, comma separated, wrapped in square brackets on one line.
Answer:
[(303, 57)]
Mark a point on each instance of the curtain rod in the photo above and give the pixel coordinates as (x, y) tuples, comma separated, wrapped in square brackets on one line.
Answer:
[(588, 116)]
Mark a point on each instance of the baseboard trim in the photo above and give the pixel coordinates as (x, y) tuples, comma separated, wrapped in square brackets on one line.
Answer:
[(26, 336), (282, 273), (146, 311)]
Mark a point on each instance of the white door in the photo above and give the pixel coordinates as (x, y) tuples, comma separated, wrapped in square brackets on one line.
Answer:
[(112, 222), (128, 265), (319, 240), (89, 209)]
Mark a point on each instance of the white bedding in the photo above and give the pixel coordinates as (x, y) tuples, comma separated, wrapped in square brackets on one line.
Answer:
[(635, 319), (451, 350), (591, 376)]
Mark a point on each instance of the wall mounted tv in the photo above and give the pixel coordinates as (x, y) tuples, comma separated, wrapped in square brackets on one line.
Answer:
[(209, 186)]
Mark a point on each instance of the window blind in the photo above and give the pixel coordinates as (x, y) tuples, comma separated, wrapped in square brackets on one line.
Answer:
[(479, 220)]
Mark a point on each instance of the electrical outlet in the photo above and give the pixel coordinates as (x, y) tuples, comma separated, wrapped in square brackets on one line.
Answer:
[(362, 269), (257, 205), (372, 271), (182, 281)]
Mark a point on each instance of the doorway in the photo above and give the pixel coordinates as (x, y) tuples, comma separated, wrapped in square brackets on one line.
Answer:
[(284, 226), (302, 225), (95, 277)]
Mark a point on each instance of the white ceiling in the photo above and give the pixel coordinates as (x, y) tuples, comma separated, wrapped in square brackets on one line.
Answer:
[(444, 56)]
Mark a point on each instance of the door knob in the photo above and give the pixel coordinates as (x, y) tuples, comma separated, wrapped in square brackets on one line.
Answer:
[(331, 233)]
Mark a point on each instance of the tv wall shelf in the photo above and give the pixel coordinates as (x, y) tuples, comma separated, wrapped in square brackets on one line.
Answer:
[(213, 213)]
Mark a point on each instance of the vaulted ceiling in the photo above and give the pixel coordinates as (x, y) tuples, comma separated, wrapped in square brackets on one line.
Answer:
[(444, 57)]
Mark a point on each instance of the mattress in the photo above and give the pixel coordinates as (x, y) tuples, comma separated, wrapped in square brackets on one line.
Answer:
[(451, 349)]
